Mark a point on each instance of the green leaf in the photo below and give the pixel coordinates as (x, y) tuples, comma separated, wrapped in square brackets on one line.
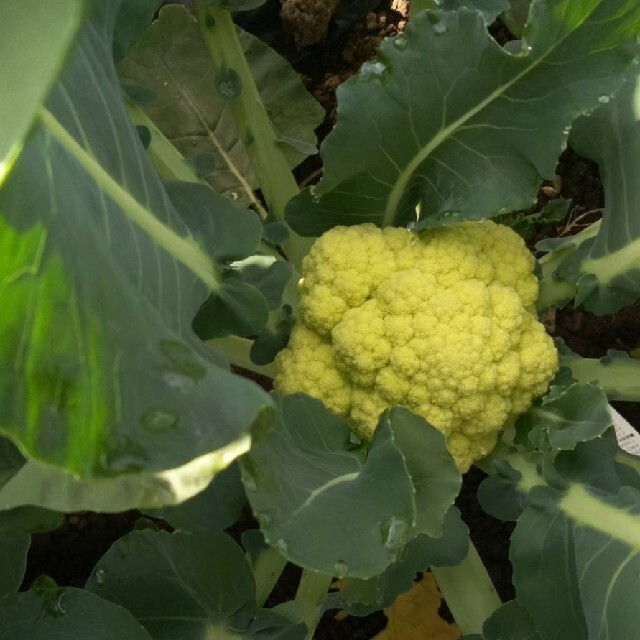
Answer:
[(214, 509), (593, 541), (363, 597), (228, 231), (172, 59), (34, 42), (65, 614), (101, 373), (13, 561), (510, 621), (309, 468), (490, 9), (273, 337), (269, 275), (572, 415), (579, 537), (46, 486), (606, 268), (29, 520), (187, 586), (133, 19), (236, 308), (301, 475), (436, 483), (447, 120), (515, 17)]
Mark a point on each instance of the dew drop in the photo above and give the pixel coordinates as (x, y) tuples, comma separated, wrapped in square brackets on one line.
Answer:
[(159, 420), (400, 42), (228, 84), (439, 28), (234, 195), (375, 70), (566, 131), (281, 545), (604, 99), (394, 533), (101, 576), (341, 568)]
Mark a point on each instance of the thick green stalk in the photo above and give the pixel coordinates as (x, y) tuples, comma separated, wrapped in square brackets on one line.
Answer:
[(311, 593), (237, 351), (618, 376), (266, 571), (234, 80), (469, 592)]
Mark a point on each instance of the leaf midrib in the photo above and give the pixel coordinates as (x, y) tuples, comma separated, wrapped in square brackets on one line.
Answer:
[(403, 179)]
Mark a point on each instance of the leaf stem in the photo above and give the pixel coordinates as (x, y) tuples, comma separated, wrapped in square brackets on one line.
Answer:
[(183, 249), (237, 351), (469, 592), (255, 127), (266, 571), (311, 593)]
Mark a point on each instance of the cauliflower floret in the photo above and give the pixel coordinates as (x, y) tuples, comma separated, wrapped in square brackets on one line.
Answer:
[(441, 322)]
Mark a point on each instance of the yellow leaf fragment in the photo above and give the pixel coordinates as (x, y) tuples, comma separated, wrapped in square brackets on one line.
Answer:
[(414, 615)]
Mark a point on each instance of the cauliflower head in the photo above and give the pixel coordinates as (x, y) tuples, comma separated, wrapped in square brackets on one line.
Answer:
[(442, 322)]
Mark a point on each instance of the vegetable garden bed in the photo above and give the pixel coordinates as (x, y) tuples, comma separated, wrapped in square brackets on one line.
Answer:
[(157, 207)]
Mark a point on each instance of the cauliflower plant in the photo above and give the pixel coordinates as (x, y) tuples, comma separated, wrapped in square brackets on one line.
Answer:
[(442, 322)]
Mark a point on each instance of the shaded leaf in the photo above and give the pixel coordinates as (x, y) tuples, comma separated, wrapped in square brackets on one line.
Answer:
[(172, 60), (237, 308), (605, 267), (510, 621), (187, 586), (363, 597), (134, 16), (27, 76), (475, 150), (214, 509), (566, 417), (228, 231), (13, 561), (29, 520), (65, 614)]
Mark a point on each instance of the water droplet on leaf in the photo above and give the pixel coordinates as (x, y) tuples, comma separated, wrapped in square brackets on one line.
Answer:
[(394, 533), (341, 568), (101, 576), (249, 483), (281, 545), (400, 42), (604, 99), (439, 28), (375, 70), (228, 84), (159, 420), (233, 195)]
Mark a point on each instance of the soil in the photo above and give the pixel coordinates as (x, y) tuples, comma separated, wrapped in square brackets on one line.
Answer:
[(326, 50)]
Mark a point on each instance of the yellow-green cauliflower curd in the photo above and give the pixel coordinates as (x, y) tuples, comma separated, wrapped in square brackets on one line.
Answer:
[(442, 322)]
